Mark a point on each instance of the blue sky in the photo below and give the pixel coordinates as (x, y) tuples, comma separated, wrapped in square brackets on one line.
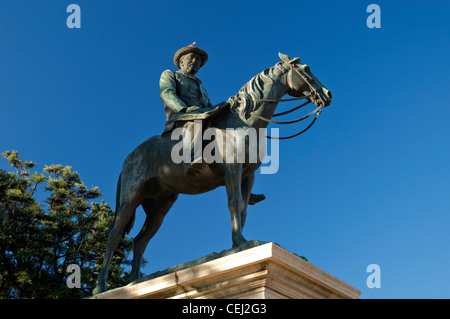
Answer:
[(368, 184)]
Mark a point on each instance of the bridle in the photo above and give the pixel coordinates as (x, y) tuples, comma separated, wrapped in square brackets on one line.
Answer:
[(316, 112)]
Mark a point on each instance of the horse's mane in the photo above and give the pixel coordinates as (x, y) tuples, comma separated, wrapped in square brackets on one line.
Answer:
[(243, 103)]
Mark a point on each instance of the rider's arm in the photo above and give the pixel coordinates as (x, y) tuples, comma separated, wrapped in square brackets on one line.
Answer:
[(207, 97), (168, 92)]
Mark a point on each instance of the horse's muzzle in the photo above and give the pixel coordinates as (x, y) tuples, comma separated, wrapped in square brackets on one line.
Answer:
[(324, 98)]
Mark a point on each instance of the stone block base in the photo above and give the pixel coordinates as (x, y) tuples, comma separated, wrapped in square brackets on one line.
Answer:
[(263, 272)]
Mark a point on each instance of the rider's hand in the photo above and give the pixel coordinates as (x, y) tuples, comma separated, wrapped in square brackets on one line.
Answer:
[(192, 109)]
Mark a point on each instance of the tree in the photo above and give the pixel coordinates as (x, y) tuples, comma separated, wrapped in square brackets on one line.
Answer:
[(38, 241)]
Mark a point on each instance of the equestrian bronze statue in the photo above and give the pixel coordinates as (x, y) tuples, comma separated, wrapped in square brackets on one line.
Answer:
[(150, 176)]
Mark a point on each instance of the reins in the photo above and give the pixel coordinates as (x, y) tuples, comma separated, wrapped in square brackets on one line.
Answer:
[(301, 132), (292, 110), (317, 112)]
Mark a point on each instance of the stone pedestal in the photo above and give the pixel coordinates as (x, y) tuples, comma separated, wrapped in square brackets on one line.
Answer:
[(263, 272)]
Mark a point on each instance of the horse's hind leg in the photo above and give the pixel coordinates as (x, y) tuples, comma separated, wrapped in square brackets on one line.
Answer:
[(124, 214), (156, 210)]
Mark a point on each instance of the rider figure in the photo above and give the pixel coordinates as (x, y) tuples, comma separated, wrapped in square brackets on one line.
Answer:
[(182, 92)]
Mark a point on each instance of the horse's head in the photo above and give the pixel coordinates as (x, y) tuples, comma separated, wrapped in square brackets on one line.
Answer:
[(302, 82)]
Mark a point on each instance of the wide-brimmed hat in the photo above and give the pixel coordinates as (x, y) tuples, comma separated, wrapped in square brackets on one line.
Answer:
[(190, 49)]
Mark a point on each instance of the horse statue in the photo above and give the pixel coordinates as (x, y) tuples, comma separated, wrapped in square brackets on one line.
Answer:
[(152, 179)]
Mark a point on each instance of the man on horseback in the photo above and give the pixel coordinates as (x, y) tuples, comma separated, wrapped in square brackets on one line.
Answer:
[(182, 93)]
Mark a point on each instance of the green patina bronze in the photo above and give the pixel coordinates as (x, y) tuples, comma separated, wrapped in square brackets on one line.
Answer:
[(151, 179)]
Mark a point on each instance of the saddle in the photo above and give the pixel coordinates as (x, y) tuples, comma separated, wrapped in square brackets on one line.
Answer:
[(180, 119)]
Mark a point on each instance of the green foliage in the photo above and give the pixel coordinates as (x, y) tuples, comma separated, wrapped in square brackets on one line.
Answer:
[(39, 240)]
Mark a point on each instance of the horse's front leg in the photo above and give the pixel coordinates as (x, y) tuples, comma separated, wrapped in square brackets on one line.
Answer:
[(246, 190), (233, 177)]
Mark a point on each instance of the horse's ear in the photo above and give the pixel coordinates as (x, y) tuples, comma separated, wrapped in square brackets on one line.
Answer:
[(284, 57), (295, 60), (288, 59)]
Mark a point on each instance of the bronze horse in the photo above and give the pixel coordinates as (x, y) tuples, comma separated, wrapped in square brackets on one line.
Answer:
[(150, 177)]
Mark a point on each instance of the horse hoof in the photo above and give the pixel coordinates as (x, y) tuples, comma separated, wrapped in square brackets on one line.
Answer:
[(238, 243), (99, 289), (134, 277)]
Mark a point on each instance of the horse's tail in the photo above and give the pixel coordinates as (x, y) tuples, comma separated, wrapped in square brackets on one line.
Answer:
[(131, 222)]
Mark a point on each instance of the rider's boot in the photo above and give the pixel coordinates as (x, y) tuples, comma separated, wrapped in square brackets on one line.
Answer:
[(256, 198)]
